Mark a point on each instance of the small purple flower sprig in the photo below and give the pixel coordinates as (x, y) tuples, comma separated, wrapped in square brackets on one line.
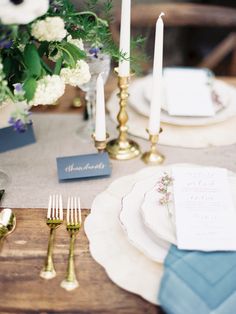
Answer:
[(20, 117), (163, 188)]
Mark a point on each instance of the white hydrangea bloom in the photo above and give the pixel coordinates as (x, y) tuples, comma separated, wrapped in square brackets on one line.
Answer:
[(22, 13), (77, 42), (48, 90), (78, 75), (50, 29)]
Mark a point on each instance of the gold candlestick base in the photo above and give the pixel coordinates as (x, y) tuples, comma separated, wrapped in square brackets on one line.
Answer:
[(100, 145), (123, 148), (153, 157)]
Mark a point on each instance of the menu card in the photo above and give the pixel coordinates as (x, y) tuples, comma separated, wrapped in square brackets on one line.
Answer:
[(188, 93), (205, 213)]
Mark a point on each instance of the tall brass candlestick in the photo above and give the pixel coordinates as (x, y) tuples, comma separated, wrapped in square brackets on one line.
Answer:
[(123, 148)]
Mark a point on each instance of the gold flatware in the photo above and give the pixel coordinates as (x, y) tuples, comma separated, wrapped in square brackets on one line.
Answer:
[(7, 222), (74, 221), (54, 220)]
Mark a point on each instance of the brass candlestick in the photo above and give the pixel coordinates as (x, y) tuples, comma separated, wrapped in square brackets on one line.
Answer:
[(123, 148), (153, 156), (100, 145)]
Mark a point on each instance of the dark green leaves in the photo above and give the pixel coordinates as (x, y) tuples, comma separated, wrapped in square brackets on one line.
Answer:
[(58, 65), (75, 51), (71, 53), (43, 48), (33, 70), (32, 60), (30, 88)]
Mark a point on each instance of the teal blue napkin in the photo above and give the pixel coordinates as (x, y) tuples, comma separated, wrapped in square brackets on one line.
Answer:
[(197, 282)]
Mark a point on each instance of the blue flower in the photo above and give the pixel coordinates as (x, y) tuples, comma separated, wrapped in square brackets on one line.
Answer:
[(5, 43), (5, 37), (18, 89), (18, 125), (19, 120), (94, 51)]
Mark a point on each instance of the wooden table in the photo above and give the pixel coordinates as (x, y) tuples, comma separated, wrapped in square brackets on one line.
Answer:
[(23, 254), (23, 291)]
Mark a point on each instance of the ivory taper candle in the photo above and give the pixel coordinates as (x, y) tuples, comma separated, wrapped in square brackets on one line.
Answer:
[(100, 126), (124, 65), (157, 81)]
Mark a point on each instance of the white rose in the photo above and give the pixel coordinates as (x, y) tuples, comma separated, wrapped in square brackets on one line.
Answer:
[(48, 90), (50, 29), (22, 13), (78, 75), (77, 42)]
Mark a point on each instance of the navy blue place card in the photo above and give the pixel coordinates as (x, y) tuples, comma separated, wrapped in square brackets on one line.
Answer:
[(83, 166), (11, 139)]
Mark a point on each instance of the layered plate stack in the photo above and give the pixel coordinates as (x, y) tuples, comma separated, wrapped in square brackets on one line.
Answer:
[(140, 98), (130, 230), (183, 87)]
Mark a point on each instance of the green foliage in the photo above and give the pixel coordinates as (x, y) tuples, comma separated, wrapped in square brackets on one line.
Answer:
[(32, 60), (26, 60), (138, 54), (58, 65), (29, 87), (75, 52), (87, 25), (91, 4)]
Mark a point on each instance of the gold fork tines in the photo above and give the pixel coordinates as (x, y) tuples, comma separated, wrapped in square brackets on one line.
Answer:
[(54, 220), (74, 220)]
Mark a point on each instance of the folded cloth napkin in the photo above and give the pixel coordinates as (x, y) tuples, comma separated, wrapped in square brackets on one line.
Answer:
[(197, 282)]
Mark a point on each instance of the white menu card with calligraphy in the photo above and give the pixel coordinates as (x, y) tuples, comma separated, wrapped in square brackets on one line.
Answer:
[(205, 213), (188, 93)]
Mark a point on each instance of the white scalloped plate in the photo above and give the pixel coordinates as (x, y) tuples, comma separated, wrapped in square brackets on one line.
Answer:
[(140, 89), (125, 265)]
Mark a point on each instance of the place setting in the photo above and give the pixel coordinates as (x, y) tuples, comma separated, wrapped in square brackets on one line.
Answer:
[(180, 210), (203, 117)]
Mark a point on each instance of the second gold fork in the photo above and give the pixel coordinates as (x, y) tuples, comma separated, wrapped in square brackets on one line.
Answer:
[(74, 222)]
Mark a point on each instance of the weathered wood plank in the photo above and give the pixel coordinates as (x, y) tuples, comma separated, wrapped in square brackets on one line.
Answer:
[(23, 291)]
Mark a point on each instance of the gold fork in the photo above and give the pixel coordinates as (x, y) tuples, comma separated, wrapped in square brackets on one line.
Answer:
[(54, 220), (74, 221)]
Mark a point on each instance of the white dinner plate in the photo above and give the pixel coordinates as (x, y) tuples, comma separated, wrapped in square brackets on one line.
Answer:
[(140, 89), (160, 219)]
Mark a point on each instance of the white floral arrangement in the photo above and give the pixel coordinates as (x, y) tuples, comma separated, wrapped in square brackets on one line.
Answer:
[(42, 50)]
